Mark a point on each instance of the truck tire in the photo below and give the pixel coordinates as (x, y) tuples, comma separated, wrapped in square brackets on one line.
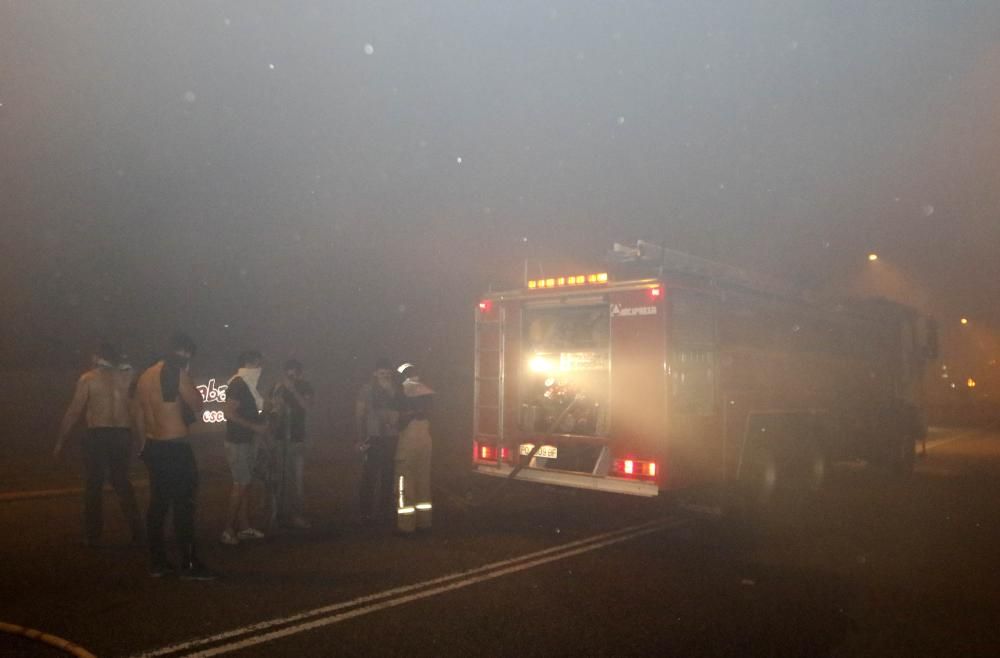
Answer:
[(758, 476)]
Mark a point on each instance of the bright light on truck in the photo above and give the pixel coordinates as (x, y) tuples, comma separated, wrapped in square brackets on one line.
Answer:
[(563, 281), (541, 364), (634, 468)]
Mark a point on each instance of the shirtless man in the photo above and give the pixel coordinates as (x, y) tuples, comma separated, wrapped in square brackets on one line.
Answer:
[(167, 403), (102, 396)]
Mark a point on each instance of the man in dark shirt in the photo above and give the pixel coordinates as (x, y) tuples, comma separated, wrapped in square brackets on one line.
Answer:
[(376, 415), (244, 425), (290, 400)]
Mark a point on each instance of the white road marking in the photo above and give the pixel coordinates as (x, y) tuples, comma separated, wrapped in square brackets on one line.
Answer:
[(937, 443), (401, 595)]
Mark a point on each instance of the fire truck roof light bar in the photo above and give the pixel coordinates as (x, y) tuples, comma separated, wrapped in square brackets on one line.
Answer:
[(564, 281)]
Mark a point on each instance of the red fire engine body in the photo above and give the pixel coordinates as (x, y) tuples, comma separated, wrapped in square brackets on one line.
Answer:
[(699, 375)]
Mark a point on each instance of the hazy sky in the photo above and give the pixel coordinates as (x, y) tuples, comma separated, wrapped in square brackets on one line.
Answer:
[(323, 177)]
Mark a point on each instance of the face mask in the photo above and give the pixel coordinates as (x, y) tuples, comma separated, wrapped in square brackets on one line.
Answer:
[(252, 376)]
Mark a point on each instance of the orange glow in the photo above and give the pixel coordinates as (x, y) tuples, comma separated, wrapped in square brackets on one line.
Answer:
[(652, 469), (629, 466), (575, 280)]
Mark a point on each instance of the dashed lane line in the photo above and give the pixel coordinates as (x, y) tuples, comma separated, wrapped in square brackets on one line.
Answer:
[(251, 635)]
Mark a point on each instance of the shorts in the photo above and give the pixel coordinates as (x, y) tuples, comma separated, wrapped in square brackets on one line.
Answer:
[(241, 458)]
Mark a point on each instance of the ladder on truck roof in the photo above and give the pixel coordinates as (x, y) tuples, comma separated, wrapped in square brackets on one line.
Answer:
[(488, 384), (669, 260)]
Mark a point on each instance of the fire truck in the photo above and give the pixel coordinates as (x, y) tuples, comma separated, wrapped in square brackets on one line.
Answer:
[(672, 372)]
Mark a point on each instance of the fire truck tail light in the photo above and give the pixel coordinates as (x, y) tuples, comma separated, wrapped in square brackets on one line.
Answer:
[(654, 294), (486, 306), (635, 468), (488, 453)]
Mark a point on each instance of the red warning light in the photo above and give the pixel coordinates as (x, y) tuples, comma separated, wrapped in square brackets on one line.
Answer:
[(486, 306)]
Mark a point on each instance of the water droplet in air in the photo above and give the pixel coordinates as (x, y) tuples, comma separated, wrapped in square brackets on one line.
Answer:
[(928, 210), (458, 159), (189, 97), (621, 121), (369, 49), (270, 66)]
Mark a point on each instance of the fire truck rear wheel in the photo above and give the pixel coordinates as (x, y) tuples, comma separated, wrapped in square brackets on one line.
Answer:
[(758, 476)]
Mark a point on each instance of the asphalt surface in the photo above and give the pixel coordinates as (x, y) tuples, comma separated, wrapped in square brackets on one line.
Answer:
[(873, 566)]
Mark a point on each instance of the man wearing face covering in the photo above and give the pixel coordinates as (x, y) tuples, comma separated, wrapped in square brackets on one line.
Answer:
[(413, 454), (244, 424), (166, 404), (102, 395)]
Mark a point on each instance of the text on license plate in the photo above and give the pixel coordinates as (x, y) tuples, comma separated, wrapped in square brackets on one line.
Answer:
[(548, 452)]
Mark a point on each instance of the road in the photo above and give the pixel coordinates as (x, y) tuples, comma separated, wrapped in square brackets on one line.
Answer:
[(873, 566)]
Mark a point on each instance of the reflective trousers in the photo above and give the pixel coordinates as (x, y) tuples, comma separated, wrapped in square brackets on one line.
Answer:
[(413, 477)]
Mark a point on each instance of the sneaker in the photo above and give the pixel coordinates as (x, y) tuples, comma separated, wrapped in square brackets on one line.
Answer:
[(249, 533), (229, 539), (197, 571), (161, 568)]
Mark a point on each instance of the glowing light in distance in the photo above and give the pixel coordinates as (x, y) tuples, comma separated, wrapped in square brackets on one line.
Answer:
[(970, 382), (873, 257), (964, 320)]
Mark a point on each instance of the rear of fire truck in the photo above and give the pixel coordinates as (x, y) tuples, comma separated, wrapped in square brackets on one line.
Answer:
[(701, 374), (569, 384)]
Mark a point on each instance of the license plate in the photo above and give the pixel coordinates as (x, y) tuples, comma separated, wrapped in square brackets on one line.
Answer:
[(548, 452)]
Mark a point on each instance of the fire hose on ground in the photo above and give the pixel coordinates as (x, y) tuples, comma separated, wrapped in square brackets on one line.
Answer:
[(46, 638)]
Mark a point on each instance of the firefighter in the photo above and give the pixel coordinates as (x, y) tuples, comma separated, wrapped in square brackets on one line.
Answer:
[(413, 454)]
